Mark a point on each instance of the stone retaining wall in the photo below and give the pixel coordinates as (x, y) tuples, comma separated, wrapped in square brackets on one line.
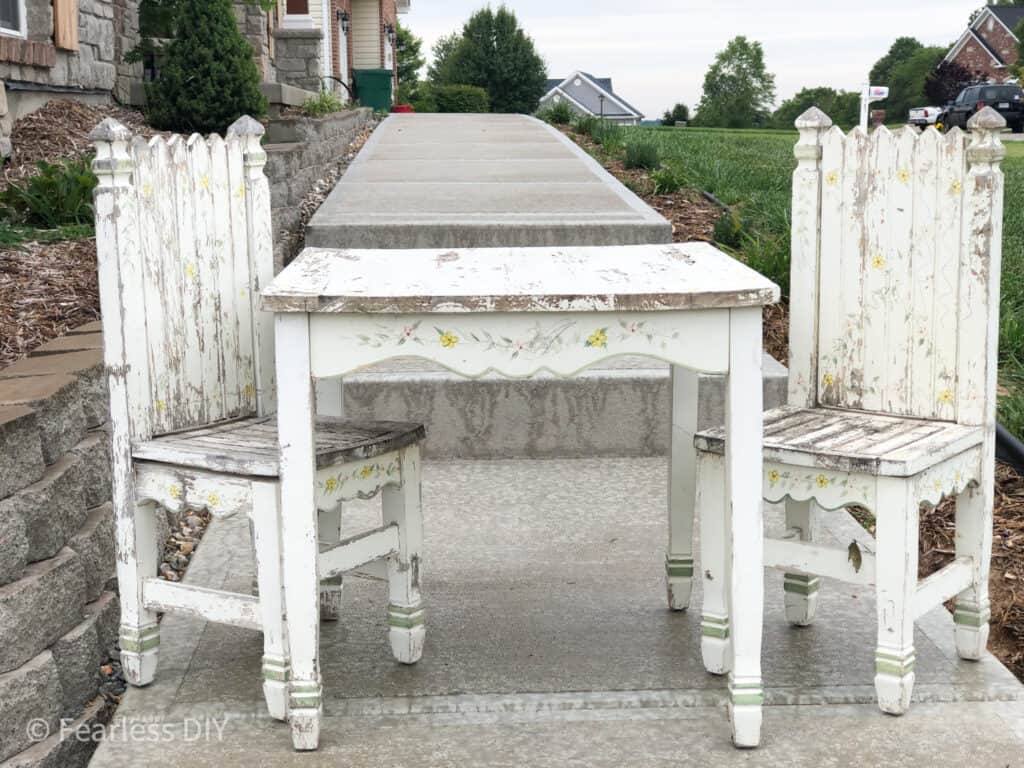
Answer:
[(59, 612), (299, 152)]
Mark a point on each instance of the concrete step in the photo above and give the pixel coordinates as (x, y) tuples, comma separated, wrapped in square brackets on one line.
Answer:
[(617, 408)]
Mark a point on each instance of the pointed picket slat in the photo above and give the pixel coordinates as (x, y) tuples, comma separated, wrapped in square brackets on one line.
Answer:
[(923, 259), (833, 232), (222, 257), (952, 189), (240, 288)]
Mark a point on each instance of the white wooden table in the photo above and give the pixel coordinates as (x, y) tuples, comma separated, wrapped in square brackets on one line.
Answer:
[(517, 311)]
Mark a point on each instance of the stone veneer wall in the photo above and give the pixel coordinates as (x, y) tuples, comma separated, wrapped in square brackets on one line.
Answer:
[(59, 612), (297, 55), (299, 152)]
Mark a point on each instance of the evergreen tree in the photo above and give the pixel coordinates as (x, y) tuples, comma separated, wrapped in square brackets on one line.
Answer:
[(900, 51), (208, 78), (495, 54), (408, 51), (842, 106), (439, 71), (680, 113)]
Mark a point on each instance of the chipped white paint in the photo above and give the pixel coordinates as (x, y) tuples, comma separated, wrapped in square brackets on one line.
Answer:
[(894, 327), (516, 312), (184, 247), (641, 278)]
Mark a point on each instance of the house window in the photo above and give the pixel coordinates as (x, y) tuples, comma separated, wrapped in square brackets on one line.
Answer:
[(12, 17)]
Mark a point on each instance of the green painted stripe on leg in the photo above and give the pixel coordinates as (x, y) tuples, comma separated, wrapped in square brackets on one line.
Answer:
[(679, 567), (746, 694), (711, 626), (799, 584), (402, 617), (139, 640), (969, 618), (897, 665)]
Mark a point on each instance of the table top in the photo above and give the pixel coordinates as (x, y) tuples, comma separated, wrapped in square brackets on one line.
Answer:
[(633, 278)]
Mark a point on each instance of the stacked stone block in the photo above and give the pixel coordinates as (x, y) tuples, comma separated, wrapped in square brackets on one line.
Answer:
[(58, 619), (299, 151), (297, 57)]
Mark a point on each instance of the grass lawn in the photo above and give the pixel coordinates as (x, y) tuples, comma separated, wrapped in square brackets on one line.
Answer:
[(752, 171)]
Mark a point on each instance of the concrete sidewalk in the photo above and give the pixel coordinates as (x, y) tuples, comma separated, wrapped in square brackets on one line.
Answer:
[(549, 644), (444, 181)]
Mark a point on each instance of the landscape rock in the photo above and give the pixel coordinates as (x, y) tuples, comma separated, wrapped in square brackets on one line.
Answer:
[(77, 656), (21, 452), (29, 693), (57, 402), (52, 509), (105, 612), (95, 545), (87, 366), (94, 451), (70, 748), (41, 606)]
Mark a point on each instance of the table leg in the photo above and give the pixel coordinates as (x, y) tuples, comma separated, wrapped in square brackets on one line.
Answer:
[(296, 409), (681, 488), (330, 401), (744, 423)]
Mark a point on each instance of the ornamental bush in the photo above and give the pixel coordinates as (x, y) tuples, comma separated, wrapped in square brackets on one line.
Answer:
[(427, 97), (208, 78)]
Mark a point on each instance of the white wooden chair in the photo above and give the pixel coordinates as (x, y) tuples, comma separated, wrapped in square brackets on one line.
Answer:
[(184, 244), (892, 390)]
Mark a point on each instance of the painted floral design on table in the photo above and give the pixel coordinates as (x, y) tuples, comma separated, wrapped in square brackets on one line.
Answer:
[(380, 473), (537, 342)]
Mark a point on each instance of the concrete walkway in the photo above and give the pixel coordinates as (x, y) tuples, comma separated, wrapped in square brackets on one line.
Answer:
[(443, 181), (549, 644)]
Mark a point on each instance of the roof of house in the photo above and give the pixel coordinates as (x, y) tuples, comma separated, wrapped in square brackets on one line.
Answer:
[(603, 83), (1010, 15)]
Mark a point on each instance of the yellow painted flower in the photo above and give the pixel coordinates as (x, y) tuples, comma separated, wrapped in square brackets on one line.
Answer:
[(903, 175), (956, 187), (449, 339), (832, 178), (937, 485), (160, 406), (332, 484), (828, 379), (212, 499), (366, 471), (773, 477), (174, 491), (598, 338), (956, 477), (240, 192), (878, 262), (147, 190), (249, 391), (204, 182), (946, 396), (822, 481), (190, 270)]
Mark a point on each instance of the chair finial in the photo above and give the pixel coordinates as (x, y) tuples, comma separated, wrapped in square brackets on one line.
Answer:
[(246, 126), (813, 118), (110, 130)]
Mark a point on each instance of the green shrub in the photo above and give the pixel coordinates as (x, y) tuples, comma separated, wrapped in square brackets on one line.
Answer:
[(608, 135), (429, 97), (585, 124), (642, 154), (60, 194), (667, 180), (461, 98), (324, 103), (209, 77), (558, 113)]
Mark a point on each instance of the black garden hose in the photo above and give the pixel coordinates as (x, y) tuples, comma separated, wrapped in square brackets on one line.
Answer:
[(1009, 449)]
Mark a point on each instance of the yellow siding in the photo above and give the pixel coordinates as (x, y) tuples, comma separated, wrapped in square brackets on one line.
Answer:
[(366, 34)]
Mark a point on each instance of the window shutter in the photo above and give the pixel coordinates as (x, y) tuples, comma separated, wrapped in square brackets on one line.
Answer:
[(65, 24)]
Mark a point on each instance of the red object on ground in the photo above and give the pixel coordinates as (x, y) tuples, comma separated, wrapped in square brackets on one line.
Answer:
[(403, 108)]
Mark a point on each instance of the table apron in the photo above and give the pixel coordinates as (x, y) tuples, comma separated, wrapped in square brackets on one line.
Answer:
[(519, 344)]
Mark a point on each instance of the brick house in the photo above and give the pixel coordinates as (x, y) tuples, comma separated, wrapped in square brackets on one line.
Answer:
[(306, 43), (64, 48), (989, 45)]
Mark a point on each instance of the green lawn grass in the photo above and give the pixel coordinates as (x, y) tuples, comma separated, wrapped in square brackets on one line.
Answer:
[(752, 171)]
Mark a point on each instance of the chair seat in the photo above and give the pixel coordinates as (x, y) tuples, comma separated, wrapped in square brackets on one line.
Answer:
[(249, 446), (853, 441)]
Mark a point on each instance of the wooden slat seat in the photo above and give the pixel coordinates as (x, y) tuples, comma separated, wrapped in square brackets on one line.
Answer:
[(854, 441), (249, 446)]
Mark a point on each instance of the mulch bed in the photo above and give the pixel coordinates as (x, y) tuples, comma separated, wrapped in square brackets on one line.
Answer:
[(59, 130), (693, 218), (46, 289)]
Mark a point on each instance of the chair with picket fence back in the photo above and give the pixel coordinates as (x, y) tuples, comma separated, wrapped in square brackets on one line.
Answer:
[(892, 389), (184, 246)]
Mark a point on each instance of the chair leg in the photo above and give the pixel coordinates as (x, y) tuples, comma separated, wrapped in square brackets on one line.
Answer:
[(138, 555), (801, 589), (681, 489), (897, 514), (714, 562), (266, 527), (329, 532), (401, 506), (974, 540)]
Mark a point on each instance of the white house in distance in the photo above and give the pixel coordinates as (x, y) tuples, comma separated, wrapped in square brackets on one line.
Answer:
[(589, 95)]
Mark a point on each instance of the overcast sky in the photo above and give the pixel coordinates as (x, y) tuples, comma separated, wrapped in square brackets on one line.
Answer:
[(657, 51)]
